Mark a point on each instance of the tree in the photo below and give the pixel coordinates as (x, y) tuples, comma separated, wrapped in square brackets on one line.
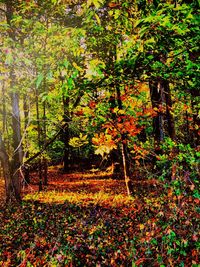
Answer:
[(125, 75), (16, 124)]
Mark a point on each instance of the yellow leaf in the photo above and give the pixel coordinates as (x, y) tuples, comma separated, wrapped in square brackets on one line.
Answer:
[(98, 19), (77, 67), (116, 110), (141, 47), (109, 28), (141, 226), (121, 111)]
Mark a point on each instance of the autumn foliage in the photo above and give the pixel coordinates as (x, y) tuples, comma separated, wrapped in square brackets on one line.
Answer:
[(99, 133)]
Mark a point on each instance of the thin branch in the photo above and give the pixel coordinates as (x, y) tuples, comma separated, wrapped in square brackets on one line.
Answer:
[(2, 10), (47, 144), (187, 49)]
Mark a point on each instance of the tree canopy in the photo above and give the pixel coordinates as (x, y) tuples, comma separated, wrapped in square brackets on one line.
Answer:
[(115, 79), (99, 132)]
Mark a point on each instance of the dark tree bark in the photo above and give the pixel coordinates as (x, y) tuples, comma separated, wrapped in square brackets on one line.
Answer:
[(115, 156), (12, 190), (157, 100), (169, 116), (142, 136)]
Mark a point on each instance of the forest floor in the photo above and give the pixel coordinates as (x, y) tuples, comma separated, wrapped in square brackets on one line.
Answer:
[(86, 219)]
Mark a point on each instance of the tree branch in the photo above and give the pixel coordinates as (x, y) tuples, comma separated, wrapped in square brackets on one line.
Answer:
[(47, 144), (2, 10), (181, 52)]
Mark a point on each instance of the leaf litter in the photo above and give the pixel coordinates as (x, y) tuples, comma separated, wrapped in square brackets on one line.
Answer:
[(93, 223)]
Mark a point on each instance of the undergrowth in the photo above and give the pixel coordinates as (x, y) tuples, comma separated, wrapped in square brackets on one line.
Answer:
[(100, 229)]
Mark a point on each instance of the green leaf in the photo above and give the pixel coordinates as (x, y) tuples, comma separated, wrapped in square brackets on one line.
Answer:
[(96, 3), (78, 141), (39, 79), (9, 59), (70, 83)]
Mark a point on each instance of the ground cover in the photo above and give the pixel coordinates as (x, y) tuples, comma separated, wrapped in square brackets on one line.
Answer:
[(91, 222)]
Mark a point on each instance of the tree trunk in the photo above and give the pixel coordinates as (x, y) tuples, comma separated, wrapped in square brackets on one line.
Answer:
[(39, 141), (44, 160), (44, 137), (157, 100), (45, 171), (66, 136), (125, 158), (18, 153), (112, 58), (26, 111), (7, 175), (3, 106), (16, 125), (126, 168), (12, 190), (169, 116), (25, 168)]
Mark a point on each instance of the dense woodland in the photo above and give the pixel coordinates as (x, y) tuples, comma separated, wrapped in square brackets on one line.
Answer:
[(108, 89)]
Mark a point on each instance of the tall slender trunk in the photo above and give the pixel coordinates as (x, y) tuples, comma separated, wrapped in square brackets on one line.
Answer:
[(39, 140), (17, 145), (44, 139), (26, 111), (157, 100), (169, 115), (16, 124), (115, 159), (170, 123), (124, 149), (44, 160), (3, 106), (66, 134), (26, 171)]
